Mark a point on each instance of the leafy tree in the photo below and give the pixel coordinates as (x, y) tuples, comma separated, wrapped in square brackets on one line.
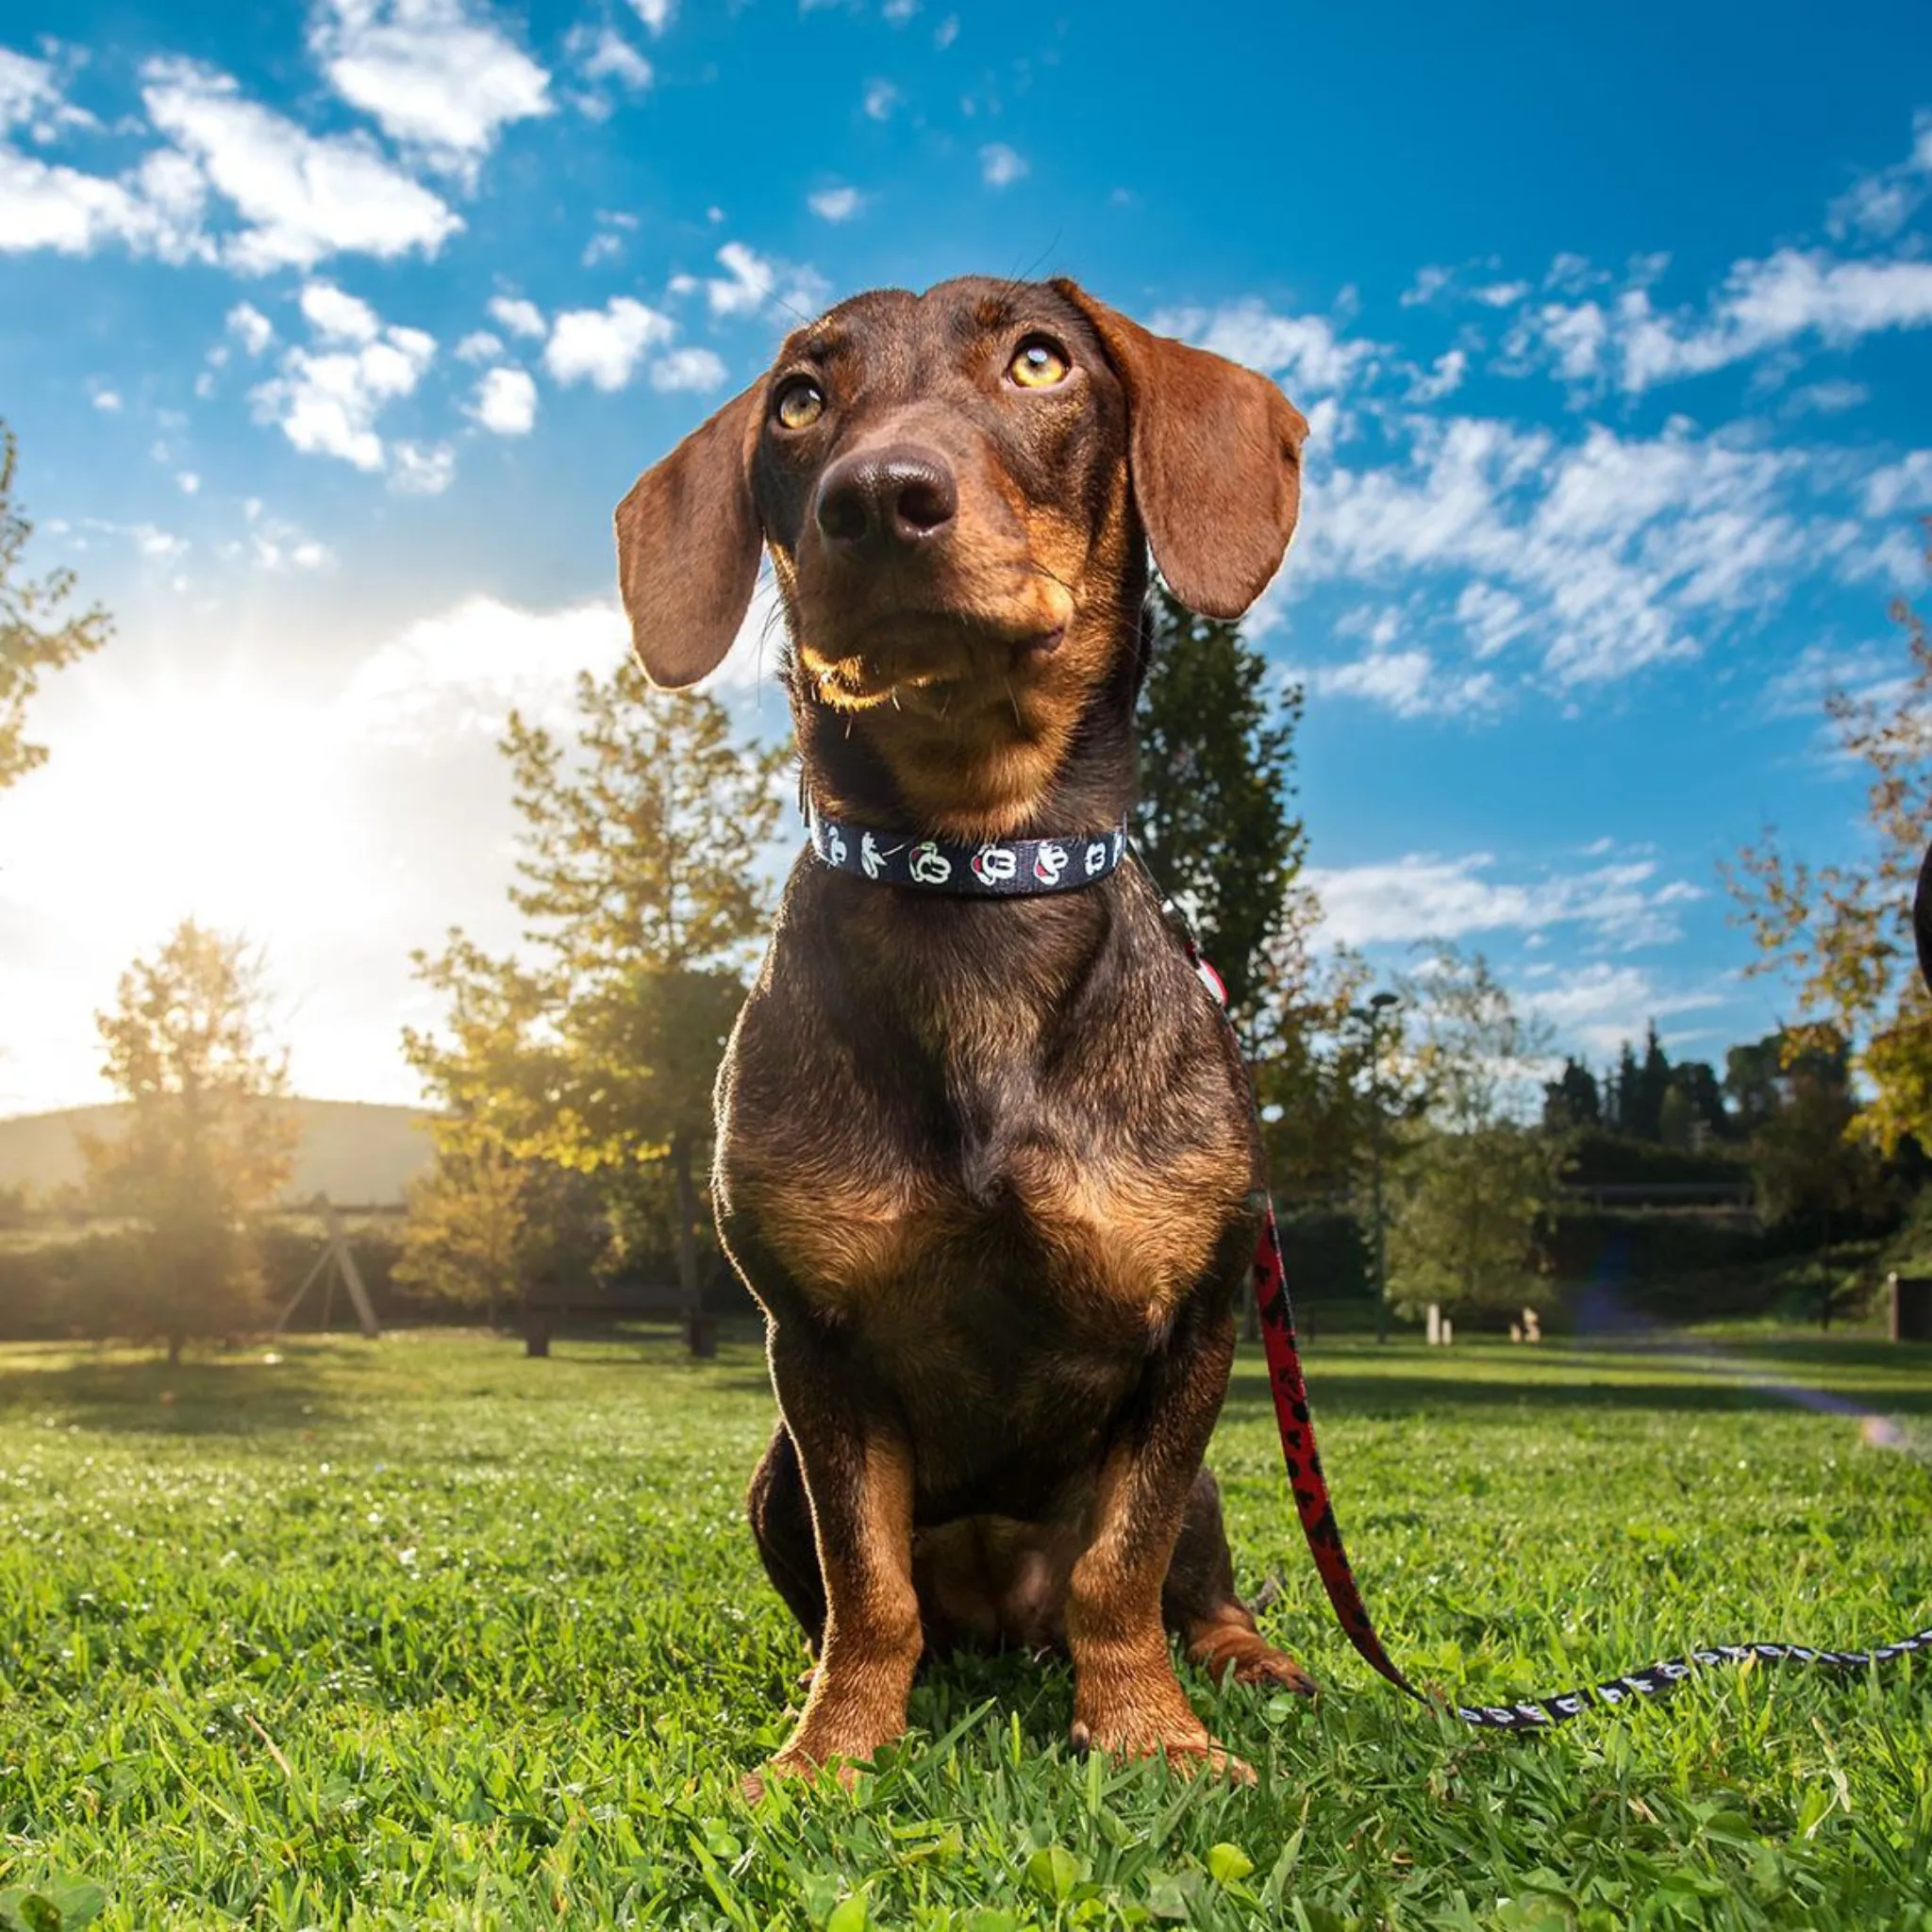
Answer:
[(1626, 1085), (1474, 1182), (206, 1150), (642, 900), (1809, 1167), (1572, 1099), (1842, 932), (35, 635), (1751, 1084), (1216, 773), (1699, 1102)]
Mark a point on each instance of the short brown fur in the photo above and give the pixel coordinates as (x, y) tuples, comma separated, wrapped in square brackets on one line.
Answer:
[(989, 1167)]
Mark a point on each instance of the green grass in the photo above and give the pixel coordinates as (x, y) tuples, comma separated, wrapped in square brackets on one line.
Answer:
[(424, 1634)]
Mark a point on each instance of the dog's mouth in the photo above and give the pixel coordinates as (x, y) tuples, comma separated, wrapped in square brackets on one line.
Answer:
[(930, 664)]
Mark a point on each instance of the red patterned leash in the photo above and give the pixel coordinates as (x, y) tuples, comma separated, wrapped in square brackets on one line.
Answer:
[(1290, 1390)]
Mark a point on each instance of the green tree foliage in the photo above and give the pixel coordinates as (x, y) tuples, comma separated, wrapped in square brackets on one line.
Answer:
[(1572, 1099), (1841, 932), (206, 1150), (35, 635), (1474, 1182), (597, 1050), (1215, 818)]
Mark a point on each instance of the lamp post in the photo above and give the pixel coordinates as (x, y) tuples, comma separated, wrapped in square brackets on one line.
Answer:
[(1370, 1017)]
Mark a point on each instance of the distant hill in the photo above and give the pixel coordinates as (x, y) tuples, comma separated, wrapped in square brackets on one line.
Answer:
[(355, 1152)]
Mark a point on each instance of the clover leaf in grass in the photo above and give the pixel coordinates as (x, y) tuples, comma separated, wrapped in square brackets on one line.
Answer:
[(56, 1905)]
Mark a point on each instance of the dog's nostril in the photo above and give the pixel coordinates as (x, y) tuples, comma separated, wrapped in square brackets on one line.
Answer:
[(924, 504), (901, 494), (845, 514)]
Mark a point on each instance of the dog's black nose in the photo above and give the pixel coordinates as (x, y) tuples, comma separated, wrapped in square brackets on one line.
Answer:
[(886, 497)]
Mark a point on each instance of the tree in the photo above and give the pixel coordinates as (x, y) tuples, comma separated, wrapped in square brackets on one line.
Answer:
[(1572, 1100), (35, 637), (642, 899), (1809, 1168), (1474, 1182), (1214, 819), (206, 1150), (1842, 932)]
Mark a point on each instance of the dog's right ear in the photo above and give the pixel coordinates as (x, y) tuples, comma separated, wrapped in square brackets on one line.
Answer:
[(688, 541)]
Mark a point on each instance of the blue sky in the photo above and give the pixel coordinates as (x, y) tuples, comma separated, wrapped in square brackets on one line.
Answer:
[(332, 334)]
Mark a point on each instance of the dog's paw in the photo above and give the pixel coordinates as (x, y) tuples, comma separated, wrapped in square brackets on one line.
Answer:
[(1189, 1750), (1229, 1652), (797, 1764)]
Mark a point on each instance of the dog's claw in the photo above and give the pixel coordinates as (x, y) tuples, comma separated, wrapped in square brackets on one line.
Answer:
[(787, 1765)]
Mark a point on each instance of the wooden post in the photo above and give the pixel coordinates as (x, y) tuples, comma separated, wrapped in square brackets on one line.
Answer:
[(536, 1329)]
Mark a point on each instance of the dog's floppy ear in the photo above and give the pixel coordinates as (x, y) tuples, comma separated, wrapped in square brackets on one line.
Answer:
[(1215, 455), (688, 543)]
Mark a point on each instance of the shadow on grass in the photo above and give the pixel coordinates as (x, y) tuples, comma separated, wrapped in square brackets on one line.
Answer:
[(1336, 1388), (239, 1396)]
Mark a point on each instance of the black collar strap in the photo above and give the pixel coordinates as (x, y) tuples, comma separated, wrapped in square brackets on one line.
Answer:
[(999, 869)]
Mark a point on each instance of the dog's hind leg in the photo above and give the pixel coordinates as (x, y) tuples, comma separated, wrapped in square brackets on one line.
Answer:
[(780, 1514), (1198, 1603)]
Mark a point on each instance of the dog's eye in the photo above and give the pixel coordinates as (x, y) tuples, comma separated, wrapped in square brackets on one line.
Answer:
[(799, 405), (1037, 363)]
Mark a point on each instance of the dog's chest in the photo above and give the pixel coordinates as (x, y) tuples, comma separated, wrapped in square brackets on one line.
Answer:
[(1025, 1202)]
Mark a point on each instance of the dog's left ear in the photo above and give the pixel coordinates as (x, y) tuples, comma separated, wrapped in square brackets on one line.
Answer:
[(688, 539), (1215, 455)]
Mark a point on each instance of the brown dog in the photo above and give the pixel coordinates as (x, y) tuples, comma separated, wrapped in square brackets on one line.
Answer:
[(989, 1165)]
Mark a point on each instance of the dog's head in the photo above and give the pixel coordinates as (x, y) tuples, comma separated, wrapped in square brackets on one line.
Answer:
[(957, 490)]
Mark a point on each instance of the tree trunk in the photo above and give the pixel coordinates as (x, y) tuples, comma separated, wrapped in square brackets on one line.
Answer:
[(174, 1351), (687, 1222)]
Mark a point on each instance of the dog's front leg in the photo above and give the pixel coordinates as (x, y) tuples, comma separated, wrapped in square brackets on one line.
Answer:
[(1127, 1698), (857, 1474)]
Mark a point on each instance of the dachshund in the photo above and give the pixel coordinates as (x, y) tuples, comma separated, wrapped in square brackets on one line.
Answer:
[(987, 1158)]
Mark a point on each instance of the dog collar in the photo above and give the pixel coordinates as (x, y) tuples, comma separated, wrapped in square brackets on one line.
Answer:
[(997, 869)]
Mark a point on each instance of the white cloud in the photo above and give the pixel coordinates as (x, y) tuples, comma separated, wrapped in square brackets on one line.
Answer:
[(327, 401), (460, 673), (154, 209), (1766, 304), (521, 317), (274, 544), (431, 77), (606, 56), (301, 196), (507, 402), (1618, 551), (753, 283), (1445, 377), (1880, 205), (603, 346), (1409, 683), (1601, 1005), (188, 482), (334, 314), (1905, 484), (420, 469), (32, 97), (656, 14), (747, 285), (693, 369), (479, 346), (253, 328), (881, 97), (1422, 896), (1303, 350), (836, 203), (1000, 166), (108, 400)]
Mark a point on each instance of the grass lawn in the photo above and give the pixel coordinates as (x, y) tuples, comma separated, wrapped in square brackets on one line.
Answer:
[(421, 1633)]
